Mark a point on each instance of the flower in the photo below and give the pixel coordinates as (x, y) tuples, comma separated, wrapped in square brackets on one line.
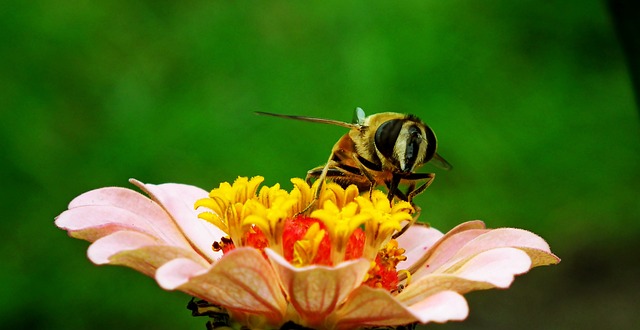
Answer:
[(268, 258)]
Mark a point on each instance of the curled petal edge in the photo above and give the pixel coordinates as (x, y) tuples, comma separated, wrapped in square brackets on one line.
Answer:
[(178, 201), (100, 212), (536, 247)]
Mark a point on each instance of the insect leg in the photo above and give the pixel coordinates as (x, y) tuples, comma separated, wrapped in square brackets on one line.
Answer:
[(366, 173), (333, 169), (411, 193), (428, 176), (323, 175), (413, 220), (393, 187)]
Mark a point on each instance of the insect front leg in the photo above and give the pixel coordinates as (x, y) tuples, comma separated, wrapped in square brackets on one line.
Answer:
[(323, 174), (414, 218), (411, 193), (393, 188), (364, 171), (419, 176)]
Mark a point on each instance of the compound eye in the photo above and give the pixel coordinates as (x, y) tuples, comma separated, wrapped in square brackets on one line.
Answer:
[(387, 135), (413, 147)]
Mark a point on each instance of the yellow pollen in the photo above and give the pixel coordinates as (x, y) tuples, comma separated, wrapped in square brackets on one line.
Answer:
[(391, 254)]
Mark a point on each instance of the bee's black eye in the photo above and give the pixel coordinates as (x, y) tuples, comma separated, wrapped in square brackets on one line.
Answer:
[(412, 147), (387, 135), (431, 144)]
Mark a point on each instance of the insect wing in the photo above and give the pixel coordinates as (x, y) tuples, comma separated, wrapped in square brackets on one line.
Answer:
[(440, 162), (359, 116)]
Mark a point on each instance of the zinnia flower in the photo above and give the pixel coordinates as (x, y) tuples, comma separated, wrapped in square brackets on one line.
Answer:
[(267, 259)]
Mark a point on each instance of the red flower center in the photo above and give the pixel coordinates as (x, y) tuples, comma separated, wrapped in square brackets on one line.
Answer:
[(382, 274)]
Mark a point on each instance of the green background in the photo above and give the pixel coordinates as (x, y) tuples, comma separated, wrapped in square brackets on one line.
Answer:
[(531, 102)]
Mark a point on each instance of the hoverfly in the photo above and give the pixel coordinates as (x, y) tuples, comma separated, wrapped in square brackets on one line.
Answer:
[(383, 149)]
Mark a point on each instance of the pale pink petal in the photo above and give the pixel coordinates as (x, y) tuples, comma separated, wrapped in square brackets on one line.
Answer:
[(178, 272), (456, 237), (105, 247), (100, 212), (367, 306), (441, 307), (426, 287), (497, 266), (240, 281), (374, 307), (442, 252), (502, 237), (315, 291), (416, 241), (486, 270), (507, 237), (116, 196), (138, 251), (178, 200)]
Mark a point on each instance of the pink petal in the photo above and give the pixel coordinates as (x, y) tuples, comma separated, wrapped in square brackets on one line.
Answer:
[(489, 269), (497, 266), (511, 237), (100, 212), (445, 249), (105, 247), (241, 281), (367, 306), (374, 307), (138, 251), (441, 307), (178, 272), (416, 241), (315, 291), (428, 286), (178, 200), (93, 222)]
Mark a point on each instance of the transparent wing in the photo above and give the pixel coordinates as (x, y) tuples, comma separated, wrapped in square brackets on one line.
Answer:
[(359, 116), (440, 162)]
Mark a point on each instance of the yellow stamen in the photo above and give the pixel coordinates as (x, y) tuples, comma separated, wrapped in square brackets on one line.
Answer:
[(338, 195), (271, 218), (340, 223), (303, 193), (236, 208), (306, 249), (228, 205), (384, 219)]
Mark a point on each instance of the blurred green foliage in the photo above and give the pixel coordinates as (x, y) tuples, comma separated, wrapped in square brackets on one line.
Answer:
[(531, 102)]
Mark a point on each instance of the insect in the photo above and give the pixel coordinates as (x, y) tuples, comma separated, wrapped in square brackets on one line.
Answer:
[(383, 149)]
